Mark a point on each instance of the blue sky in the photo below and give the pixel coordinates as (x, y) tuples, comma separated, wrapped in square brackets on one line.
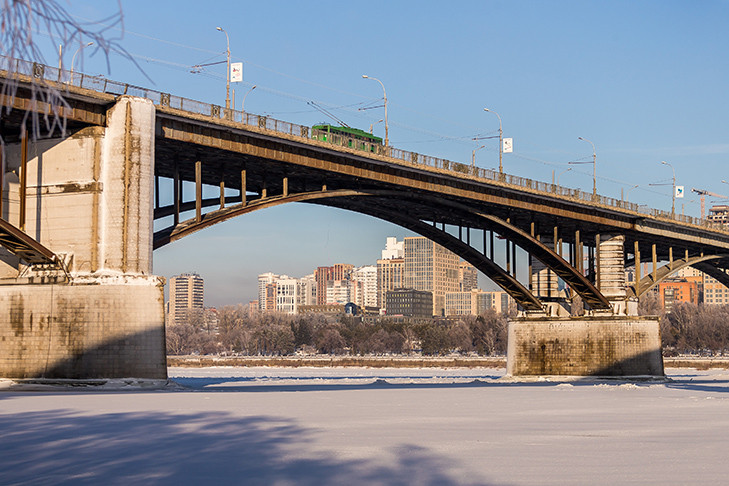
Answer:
[(645, 81)]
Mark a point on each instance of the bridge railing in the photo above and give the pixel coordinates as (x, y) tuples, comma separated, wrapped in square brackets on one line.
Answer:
[(43, 73)]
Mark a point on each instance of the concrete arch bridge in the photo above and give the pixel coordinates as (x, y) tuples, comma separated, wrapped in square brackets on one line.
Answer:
[(87, 200)]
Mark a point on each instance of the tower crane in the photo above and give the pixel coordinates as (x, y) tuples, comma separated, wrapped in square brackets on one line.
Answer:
[(703, 193)]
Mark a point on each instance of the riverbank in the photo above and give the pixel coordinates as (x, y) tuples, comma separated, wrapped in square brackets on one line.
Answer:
[(323, 361)]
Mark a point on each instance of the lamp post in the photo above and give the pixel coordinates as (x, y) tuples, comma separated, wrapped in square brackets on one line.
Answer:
[(560, 174), (627, 194), (73, 58), (243, 104), (384, 94), (673, 195), (473, 155), (227, 74), (501, 138), (594, 166), (372, 125)]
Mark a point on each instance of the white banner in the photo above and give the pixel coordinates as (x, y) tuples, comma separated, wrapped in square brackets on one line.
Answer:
[(236, 72), (679, 191), (508, 146)]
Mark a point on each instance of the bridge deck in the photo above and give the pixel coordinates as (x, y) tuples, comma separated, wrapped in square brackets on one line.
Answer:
[(275, 154)]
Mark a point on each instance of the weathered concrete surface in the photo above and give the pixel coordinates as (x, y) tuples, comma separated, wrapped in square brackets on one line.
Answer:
[(611, 346), (89, 200), (89, 330)]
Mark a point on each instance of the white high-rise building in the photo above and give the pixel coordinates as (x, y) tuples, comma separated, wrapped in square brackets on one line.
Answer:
[(393, 249), (344, 291), (287, 295), (282, 293), (264, 281), (306, 294), (367, 275)]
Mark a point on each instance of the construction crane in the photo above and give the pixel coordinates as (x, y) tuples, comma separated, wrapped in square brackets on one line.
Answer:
[(703, 193)]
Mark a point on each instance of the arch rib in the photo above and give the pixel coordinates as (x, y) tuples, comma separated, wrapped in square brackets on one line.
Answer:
[(577, 282), (511, 285), (654, 278), (185, 228), (714, 271)]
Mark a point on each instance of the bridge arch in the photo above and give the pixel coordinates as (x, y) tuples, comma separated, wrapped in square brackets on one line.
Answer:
[(661, 274), (420, 217)]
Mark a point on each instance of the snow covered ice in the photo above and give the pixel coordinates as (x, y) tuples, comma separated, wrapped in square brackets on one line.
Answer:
[(291, 426)]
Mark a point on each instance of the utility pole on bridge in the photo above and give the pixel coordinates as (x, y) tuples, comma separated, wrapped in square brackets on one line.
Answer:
[(227, 74)]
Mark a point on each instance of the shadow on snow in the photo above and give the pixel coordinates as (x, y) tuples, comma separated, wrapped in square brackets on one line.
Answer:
[(62, 447)]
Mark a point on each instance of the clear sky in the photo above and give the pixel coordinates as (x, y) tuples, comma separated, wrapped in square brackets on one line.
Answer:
[(645, 81)]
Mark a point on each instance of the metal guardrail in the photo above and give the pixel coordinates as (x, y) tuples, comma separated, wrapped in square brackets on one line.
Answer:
[(100, 84)]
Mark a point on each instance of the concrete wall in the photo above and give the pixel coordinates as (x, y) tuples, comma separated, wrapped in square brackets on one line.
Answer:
[(85, 330), (89, 200), (89, 196), (611, 346)]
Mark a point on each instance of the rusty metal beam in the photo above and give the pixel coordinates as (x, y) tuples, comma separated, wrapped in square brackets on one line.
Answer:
[(243, 188), (23, 246), (2, 178), (23, 178), (198, 191), (177, 194)]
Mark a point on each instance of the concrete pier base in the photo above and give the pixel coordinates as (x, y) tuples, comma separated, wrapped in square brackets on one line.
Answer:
[(610, 346), (110, 327)]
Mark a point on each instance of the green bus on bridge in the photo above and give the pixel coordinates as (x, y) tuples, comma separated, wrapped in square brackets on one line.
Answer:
[(346, 136)]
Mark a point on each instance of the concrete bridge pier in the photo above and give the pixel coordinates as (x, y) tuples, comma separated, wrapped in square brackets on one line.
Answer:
[(88, 199), (613, 343)]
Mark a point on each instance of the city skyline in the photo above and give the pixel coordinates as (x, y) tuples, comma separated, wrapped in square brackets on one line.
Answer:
[(415, 263), (643, 84)]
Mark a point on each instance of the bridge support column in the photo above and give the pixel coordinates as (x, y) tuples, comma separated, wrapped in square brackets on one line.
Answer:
[(545, 286), (614, 343), (611, 281), (90, 201)]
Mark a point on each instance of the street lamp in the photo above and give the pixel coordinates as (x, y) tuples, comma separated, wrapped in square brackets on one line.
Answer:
[(558, 175), (243, 105), (73, 58), (627, 194), (473, 155), (673, 196), (594, 166), (227, 75), (384, 93), (501, 137), (372, 125)]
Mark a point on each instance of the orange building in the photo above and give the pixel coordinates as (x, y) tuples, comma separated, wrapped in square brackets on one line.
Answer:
[(671, 292)]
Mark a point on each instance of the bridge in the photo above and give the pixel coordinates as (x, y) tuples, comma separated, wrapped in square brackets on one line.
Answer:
[(89, 195)]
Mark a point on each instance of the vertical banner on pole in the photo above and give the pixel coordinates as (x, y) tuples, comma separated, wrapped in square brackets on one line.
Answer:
[(507, 145), (236, 72)]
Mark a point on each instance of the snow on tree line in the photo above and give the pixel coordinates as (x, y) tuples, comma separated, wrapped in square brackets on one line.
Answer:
[(253, 333), (686, 329)]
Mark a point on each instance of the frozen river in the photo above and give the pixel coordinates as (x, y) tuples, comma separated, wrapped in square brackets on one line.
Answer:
[(354, 426)]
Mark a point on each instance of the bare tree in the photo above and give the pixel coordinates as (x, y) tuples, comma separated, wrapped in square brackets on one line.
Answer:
[(20, 20)]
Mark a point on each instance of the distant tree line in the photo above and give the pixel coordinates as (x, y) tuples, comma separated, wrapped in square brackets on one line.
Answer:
[(690, 328), (253, 333), (686, 329)]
